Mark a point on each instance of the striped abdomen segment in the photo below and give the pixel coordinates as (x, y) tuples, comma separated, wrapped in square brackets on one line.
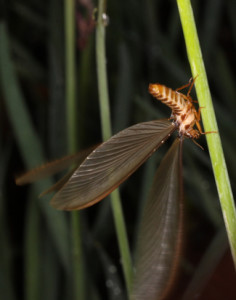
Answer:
[(169, 97)]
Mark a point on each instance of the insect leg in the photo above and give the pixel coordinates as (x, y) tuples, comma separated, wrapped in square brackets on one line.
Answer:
[(198, 118), (191, 86), (185, 86), (189, 98)]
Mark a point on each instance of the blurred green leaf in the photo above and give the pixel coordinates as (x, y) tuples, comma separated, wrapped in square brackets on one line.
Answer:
[(29, 144)]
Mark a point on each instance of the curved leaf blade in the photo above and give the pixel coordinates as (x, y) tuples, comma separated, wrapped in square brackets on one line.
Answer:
[(111, 163), (159, 240)]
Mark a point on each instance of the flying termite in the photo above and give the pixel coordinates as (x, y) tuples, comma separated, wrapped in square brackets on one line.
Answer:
[(104, 168)]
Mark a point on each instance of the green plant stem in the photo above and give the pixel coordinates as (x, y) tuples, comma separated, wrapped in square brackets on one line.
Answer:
[(209, 121), (70, 64), (106, 132), (29, 144)]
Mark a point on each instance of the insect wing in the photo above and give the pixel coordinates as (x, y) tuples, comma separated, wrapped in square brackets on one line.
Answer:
[(59, 184), (111, 163), (53, 167), (159, 238)]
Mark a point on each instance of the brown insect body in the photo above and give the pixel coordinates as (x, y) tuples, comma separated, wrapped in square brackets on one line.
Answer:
[(183, 111)]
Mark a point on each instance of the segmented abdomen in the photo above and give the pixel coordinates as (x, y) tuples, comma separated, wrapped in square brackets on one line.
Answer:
[(169, 97)]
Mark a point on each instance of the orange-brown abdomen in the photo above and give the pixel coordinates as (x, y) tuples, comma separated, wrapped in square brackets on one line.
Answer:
[(183, 111), (169, 97)]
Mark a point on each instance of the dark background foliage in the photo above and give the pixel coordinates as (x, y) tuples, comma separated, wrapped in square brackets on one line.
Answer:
[(144, 44)]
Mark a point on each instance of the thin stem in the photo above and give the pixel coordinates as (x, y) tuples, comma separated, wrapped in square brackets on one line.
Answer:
[(102, 74), (70, 64), (209, 121), (106, 132)]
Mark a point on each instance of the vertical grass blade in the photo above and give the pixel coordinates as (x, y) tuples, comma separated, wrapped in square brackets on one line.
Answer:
[(32, 251), (70, 65), (209, 121), (6, 254), (106, 132), (209, 262), (71, 109), (28, 143), (7, 282)]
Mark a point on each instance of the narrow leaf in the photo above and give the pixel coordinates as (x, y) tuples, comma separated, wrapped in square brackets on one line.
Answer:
[(28, 142)]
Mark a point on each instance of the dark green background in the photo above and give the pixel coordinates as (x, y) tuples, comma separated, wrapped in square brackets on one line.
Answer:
[(144, 44)]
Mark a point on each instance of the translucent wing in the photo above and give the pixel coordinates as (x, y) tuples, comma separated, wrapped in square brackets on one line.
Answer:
[(111, 163), (59, 184), (53, 167), (159, 238)]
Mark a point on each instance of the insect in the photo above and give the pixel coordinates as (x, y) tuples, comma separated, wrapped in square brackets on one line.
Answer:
[(113, 161)]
